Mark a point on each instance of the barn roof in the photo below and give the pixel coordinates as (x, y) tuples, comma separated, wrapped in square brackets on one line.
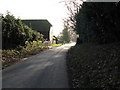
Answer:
[(38, 24)]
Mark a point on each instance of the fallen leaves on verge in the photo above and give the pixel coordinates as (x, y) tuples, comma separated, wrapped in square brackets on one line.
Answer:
[(94, 66)]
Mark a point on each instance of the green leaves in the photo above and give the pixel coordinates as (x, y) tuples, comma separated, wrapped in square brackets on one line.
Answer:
[(15, 55), (15, 33)]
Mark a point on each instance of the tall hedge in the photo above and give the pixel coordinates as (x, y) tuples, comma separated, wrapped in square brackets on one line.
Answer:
[(98, 22)]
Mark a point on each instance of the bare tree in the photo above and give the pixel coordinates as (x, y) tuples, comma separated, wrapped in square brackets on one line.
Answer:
[(73, 7)]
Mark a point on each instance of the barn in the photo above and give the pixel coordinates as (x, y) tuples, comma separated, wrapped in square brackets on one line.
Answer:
[(42, 26)]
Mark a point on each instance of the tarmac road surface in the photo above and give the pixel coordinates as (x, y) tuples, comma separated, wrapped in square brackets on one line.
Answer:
[(44, 70)]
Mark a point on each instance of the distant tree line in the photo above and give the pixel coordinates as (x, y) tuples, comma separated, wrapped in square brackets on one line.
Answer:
[(65, 35), (97, 22), (15, 33)]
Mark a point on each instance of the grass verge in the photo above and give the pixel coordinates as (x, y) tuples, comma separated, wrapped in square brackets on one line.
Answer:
[(56, 44), (94, 66)]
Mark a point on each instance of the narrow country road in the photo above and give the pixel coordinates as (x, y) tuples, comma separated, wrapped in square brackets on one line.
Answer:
[(44, 70)]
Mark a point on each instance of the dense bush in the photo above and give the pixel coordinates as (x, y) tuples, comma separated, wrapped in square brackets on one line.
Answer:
[(24, 50), (98, 22), (15, 33), (30, 48)]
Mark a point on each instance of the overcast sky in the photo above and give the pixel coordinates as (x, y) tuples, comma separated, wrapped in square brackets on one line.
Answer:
[(37, 9)]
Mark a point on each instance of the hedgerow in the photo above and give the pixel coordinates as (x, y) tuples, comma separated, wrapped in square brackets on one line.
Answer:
[(15, 32), (14, 55)]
